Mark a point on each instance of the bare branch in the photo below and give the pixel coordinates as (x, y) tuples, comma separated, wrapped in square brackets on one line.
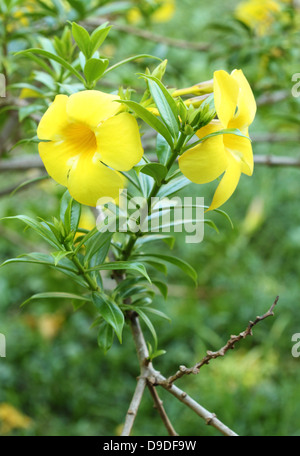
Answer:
[(222, 352), (134, 406), (272, 98), (271, 160), (158, 404), (210, 418), (272, 137), (155, 378), (21, 163)]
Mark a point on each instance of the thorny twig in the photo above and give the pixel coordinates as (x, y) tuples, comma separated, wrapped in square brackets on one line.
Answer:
[(155, 378), (229, 346), (158, 404)]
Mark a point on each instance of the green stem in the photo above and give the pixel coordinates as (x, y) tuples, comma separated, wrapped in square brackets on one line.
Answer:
[(91, 282), (155, 189)]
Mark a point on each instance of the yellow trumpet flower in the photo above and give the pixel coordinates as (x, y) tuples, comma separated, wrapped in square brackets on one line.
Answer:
[(89, 141), (229, 154), (259, 15)]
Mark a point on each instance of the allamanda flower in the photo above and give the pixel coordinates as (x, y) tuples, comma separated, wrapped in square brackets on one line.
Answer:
[(229, 154), (259, 15), (89, 141)]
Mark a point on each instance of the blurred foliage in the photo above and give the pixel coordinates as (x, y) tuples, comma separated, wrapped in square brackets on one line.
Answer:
[(55, 380)]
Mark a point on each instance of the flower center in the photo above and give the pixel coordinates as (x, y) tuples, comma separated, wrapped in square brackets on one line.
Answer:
[(81, 138)]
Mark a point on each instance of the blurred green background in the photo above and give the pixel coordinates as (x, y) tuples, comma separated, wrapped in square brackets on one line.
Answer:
[(54, 372)]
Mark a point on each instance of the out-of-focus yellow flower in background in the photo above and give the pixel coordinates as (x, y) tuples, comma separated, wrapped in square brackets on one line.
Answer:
[(87, 221), (259, 15), (11, 418), (88, 141), (48, 325), (255, 216), (163, 11), (229, 154), (29, 93)]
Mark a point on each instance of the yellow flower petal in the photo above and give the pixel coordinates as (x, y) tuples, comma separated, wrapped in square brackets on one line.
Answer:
[(246, 103), (205, 162), (226, 93), (90, 180), (241, 149), (227, 185), (57, 157), (92, 107), (212, 127), (54, 120), (119, 142)]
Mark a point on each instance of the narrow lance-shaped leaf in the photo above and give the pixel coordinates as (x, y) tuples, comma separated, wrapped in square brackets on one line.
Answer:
[(56, 295), (105, 336), (38, 227), (55, 58), (165, 103), (183, 265), (124, 266), (111, 313)]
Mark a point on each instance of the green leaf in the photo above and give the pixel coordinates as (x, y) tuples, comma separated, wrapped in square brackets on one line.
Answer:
[(143, 302), (82, 38), (183, 265), (54, 57), (157, 353), (59, 255), (167, 238), (70, 212), (105, 336), (26, 111), (160, 267), (155, 170), (72, 216), (123, 266), (163, 149), (94, 69), (165, 103), (98, 37), (153, 121), (57, 295), (173, 187), (148, 323), (130, 59), (64, 203), (212, 225), (38, 227), (136, 290), (85, 238), (111, 313), (158, 313), (41, 258), (162, 286), (98, 244), (220, 211), (28, 182)]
